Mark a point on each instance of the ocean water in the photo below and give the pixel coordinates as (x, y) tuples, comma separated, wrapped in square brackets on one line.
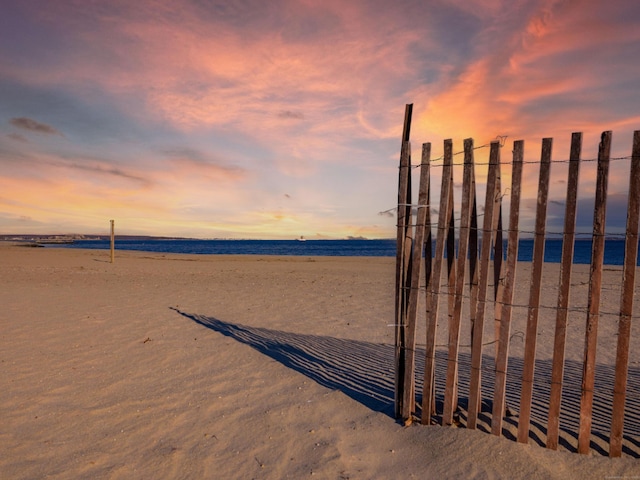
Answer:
[(324, 248), (614, 248), (613, 251)]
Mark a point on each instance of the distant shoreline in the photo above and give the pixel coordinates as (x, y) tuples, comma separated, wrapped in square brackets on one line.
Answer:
[(82, 237), (54, 237)]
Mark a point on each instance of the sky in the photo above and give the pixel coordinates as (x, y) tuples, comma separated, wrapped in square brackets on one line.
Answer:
[(254, 119)]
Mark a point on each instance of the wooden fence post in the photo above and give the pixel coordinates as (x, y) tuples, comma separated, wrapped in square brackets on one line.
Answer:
[(473, 259), (498, 286), (451, 387), (491, 204), (560, 335), (112, 242), (422, 223), (433, 292), (626, 301), (402, 265), (507, 292), (528, 369), (595, 282), (451, 256)]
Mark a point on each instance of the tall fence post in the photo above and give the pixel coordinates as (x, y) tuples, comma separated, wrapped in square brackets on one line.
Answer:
[(626, 301), (595, 285), (112, 242), (498, 248), (402, 263), (531, 335), (422, 223), (433, 292), (468, 197), (560, 335), (507, 292), (491, 204)]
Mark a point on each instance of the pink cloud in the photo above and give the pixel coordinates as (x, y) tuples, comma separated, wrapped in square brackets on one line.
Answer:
[(198, 72), (540, 81)]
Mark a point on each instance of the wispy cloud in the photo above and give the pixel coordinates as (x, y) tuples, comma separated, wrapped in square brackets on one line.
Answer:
[(189, 161), (291, 115), (33, 126), (103, 170), (18, 137)]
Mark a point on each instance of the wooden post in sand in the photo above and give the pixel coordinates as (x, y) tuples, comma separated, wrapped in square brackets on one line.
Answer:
[(451, 256), (528, 368), (506, 299), (560, 335), (491, 205), (403, 252), (433, 291), (423, 223), (468, 198), (473, 258), (595, 283), (498, 274), (626, 301), (112, 243)]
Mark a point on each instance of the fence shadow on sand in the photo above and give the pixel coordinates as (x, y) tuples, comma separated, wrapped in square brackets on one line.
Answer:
[(364, 372)]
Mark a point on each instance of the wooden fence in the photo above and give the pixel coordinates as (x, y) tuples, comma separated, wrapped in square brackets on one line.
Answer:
[(479, 274)]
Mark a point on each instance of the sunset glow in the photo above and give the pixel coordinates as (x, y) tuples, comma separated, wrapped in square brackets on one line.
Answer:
[(253, 119)]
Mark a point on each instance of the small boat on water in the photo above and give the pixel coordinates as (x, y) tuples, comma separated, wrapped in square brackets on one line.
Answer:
[(302, 239)]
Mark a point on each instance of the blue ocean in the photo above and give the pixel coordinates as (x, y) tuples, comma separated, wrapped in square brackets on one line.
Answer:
[(324, 248), (614, 248)]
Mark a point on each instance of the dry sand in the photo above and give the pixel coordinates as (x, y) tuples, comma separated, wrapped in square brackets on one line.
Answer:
[(184, 366)]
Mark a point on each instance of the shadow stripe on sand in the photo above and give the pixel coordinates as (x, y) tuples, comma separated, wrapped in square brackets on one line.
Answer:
[(364, 372)]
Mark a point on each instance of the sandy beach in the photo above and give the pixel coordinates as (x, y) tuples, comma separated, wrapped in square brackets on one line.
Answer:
[(197, 366)]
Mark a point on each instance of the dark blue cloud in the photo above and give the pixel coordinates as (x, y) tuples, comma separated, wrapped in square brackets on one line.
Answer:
[(32, 125)]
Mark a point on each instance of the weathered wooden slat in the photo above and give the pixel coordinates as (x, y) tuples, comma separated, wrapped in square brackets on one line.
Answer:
[(451, 263), (451, 386), (451, 234), (403, 229), (422, 223), (428, 261), (473, 258), (112, 243), (428, 246), (403, 220), (491, 205), (409, 389), (507, 291), (595, 283), (498, 262), (626, 302), (433, 292), (531, 335), (498, 247), (451, 253), (560, 336), (498, 257)]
